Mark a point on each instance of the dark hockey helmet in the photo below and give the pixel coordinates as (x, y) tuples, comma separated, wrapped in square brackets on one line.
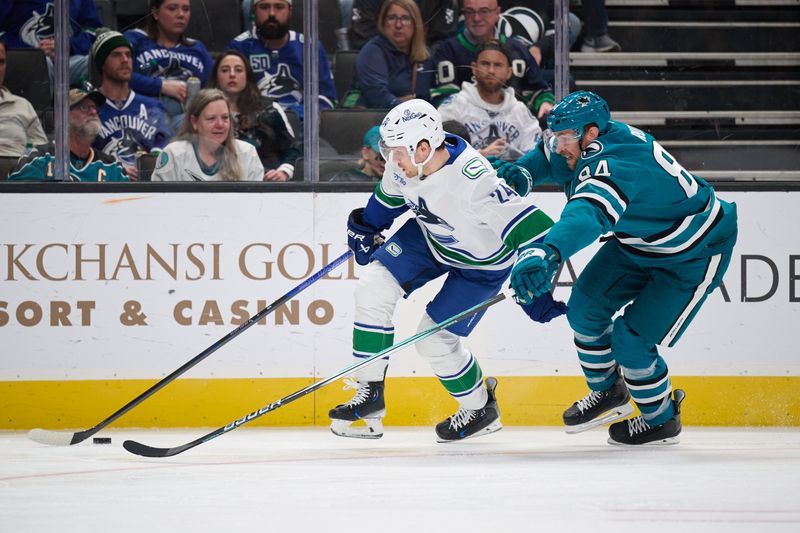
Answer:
[(578, 109)]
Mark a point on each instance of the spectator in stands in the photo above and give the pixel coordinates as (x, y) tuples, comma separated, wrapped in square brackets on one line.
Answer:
[(257, 119), (454, 58), (85, 164), (440, 20), (536, 27), (131, 122), (595, 31), (276, 56), (165, 58), (20, 125), (30, 24), (394, 65), (498, 123), (371, 165), (205, 148)]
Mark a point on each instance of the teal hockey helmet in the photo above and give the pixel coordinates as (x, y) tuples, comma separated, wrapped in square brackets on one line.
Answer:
[(578, 109)]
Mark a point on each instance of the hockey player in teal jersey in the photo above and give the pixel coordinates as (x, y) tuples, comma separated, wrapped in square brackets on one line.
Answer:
[(468, 226), (670, 243)]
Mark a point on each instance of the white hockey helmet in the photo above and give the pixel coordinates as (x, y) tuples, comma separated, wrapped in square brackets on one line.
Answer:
[(405, 126)]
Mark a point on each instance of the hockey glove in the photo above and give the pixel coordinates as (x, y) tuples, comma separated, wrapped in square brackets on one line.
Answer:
[(532, 274), (517, 177), (362, 238), (544, 308)]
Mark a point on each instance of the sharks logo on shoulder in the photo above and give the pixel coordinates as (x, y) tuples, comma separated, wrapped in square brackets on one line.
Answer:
[(40, 26), (594, 148), (123, 145), (281, 84), (428, 217)]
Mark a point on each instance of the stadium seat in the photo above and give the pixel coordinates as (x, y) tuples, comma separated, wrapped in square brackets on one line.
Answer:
[(330, 18), (215, 23), (6, 164), (344, 129), (26, 76), (146, 163), (344, 66)]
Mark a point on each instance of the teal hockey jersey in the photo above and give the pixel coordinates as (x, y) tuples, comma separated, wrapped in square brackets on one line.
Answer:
[(627, 184)]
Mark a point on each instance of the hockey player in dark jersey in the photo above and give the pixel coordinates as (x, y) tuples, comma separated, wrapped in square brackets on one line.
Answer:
[(130, 122), (670, 243), (454, 58), (85, 164), (276, 55)]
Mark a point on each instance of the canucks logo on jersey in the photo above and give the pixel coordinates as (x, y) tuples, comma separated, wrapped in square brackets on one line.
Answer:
[(38, 27), (281, 85)]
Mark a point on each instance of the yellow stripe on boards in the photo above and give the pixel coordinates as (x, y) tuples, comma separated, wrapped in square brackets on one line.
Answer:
[(524, 401)]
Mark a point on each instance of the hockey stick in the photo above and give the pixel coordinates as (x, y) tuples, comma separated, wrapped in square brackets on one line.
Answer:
[(62, 438), (149, 451)]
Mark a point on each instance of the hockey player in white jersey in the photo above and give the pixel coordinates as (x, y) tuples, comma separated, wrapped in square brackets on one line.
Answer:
[(468, 226)]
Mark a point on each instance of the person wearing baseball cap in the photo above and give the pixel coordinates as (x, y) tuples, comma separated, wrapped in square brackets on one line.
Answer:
[(85, 164)]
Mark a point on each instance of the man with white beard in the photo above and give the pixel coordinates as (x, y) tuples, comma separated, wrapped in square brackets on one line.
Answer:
[(85, 164)]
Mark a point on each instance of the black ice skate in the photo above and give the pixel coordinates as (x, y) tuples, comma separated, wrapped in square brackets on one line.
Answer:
[(636, 431), (598, 408), (468, 423), (366, 405)]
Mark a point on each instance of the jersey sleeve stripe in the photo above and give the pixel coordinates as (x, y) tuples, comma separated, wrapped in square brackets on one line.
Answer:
[(601, 203), (609, 187), (390, 201), (527, 230)]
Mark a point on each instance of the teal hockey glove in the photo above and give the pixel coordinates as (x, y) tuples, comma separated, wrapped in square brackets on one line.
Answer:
[(517, 177), (532, 274)]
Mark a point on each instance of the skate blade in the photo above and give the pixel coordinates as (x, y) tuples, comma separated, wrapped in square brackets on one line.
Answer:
[(345, 428), (659, 442), (612, 415), (494, 427)]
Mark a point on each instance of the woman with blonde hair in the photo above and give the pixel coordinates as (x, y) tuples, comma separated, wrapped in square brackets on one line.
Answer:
[(205, 148), (394, 66)]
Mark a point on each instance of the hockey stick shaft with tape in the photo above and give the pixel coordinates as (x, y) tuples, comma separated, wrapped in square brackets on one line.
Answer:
[(62, 438), (150, 451)]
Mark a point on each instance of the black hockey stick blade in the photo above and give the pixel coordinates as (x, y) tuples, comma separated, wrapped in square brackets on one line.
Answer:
[(149, 451), (65, 438)]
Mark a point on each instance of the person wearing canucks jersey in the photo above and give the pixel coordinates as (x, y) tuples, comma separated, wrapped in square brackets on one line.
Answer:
[(276, 55), (165, 58), (670, 243), (468, 225)]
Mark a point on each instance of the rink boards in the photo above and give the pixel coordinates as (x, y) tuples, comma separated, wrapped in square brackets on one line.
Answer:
[(103, 294)]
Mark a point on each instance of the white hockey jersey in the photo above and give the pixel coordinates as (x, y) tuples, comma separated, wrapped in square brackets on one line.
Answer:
[(510, 120), (179, 162), (469, 216)]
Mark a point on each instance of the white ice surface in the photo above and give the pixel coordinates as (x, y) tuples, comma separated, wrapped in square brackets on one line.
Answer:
[(520, 479)]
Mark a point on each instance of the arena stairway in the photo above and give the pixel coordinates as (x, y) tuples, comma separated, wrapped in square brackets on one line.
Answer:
[(716, 82)]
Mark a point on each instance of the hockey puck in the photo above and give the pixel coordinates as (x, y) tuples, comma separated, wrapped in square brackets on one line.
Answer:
[(101, 440)]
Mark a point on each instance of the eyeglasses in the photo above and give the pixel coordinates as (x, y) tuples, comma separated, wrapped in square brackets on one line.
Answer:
[(482, 12), (405, 20), (86, 107)]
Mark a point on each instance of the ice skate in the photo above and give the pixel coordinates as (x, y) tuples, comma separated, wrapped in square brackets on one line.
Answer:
[(366, 405), (636, 432), (468, 423), (598, 408)]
